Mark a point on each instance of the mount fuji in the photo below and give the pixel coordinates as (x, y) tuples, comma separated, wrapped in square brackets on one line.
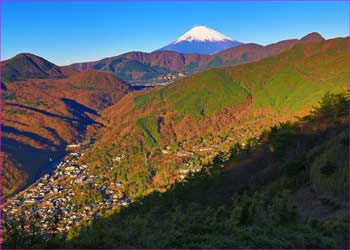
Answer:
[(201, 40)]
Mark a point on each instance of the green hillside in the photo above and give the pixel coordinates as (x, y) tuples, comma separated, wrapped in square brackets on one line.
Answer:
[(294, 198), (289, 82), (214, 109), (288, 190), (203, 95), (219, 160), (150, 128)]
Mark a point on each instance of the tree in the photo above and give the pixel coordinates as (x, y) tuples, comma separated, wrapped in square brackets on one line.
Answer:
[(332, 106)]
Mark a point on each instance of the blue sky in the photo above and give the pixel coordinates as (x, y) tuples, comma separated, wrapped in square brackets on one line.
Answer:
[(66, 32)]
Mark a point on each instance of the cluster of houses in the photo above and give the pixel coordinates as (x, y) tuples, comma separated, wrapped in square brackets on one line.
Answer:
[(80, 145), (161, 80), (204, 150), (54, 196), (171, 76), (51, 200)]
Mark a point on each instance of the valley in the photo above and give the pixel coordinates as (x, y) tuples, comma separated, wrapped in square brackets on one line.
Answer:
[(56, 194), (207, 137), (259, 167), (85, 193), (42, 116), (59, 119)]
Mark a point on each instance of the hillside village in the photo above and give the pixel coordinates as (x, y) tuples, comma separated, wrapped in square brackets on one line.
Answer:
[(54, 198), (161, 80), (53, 195), (52, 201)]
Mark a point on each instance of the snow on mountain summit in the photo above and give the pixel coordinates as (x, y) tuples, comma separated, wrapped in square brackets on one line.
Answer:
[(201, 40), (202, 33)]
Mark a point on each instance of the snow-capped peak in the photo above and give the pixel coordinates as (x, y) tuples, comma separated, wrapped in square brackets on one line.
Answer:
[(202, 34), (201, 40)]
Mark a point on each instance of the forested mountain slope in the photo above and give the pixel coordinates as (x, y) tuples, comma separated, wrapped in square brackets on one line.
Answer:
[(42, 115), (288, 188), (207, 112)]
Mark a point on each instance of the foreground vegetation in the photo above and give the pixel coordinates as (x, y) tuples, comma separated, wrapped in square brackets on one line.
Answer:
[(286, 189)]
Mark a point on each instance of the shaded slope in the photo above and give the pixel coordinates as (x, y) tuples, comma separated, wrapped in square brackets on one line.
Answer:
[(42, 116)]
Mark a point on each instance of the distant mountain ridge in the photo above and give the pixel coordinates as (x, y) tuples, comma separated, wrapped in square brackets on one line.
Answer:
[(27, 65), (141, 66)]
